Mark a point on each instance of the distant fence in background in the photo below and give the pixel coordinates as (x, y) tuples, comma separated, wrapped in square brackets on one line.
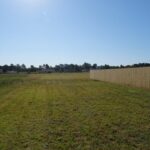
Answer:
[(138, 77)]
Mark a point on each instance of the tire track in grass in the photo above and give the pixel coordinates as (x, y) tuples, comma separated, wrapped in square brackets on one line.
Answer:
[(54, 116), (82, 115), (25, 119), (37, 118), (80, 119), (9, 117), (8, 92), (89, 126), (65, 127), (57, 117)]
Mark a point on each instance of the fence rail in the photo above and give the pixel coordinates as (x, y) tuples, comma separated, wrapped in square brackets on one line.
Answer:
[(138, 77)]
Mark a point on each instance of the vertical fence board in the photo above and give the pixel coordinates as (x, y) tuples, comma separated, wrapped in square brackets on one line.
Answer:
[(138, 77)]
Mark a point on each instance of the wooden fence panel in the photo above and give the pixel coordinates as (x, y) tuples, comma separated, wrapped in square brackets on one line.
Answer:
[(138, 77)]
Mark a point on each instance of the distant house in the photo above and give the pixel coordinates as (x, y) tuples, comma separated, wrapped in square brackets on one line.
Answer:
[(11, 72), (46, 71), (1, 70)]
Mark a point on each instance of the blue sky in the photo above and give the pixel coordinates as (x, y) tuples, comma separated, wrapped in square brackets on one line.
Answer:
[(74, 31)]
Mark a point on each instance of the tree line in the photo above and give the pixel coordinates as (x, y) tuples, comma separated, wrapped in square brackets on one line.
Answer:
[(45, 68)]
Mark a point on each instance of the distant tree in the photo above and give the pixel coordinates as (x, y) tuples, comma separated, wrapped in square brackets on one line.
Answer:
[(65, 67), (121, 66), (105, 67), (86, 66), (18, 68), (78, 68), (32, 69), (5, 68), (57, 68), (47, 66), (12, 67), (40, 67), (94, 66), (23, 67)]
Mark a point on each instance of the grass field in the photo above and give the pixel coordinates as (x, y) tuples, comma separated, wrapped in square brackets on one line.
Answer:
[(71, 112)]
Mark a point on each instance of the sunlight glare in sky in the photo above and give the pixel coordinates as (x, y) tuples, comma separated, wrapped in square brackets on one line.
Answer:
[(31, 4)]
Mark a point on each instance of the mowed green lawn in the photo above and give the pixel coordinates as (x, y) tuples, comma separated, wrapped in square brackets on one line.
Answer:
[(71, 112)]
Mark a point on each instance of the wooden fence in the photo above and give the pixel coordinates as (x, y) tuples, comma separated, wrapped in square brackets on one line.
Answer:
[(138, 77)]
